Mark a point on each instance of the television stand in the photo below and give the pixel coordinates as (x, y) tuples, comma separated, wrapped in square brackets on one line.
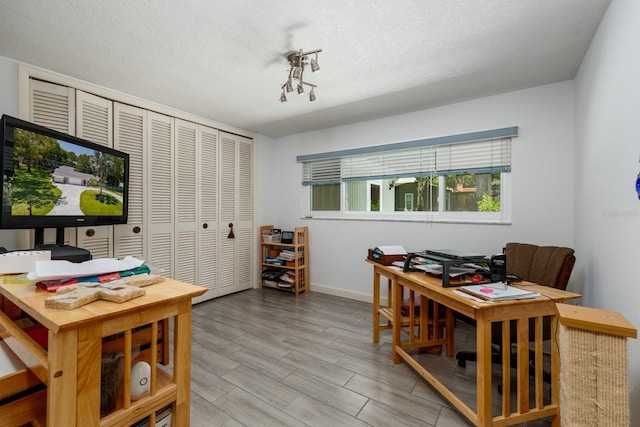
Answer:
[(59, 250), (65, 252)]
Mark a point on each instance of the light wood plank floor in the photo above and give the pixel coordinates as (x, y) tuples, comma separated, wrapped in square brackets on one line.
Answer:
[(263, 357)]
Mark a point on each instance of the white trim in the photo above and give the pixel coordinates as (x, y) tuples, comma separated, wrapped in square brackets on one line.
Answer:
[(502, 133), (357, 296)]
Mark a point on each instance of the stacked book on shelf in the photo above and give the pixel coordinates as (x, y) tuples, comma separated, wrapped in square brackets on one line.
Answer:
[(287, 255)]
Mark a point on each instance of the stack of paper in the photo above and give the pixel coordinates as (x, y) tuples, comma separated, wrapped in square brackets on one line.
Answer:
[(498, 292)]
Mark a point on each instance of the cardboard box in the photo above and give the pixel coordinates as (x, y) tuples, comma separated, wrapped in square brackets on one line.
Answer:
[(22, 261)]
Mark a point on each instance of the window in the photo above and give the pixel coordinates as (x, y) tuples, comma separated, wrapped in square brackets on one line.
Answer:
[(454, 178)]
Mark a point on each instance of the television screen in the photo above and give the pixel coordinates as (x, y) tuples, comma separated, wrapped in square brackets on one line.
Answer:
[(51, 179)]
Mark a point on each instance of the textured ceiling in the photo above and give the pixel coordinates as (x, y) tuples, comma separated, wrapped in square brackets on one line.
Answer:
[(225, 60)]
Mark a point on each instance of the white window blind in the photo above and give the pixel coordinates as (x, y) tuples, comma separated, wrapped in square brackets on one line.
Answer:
[(478, 152), (321, 172), (493, 155), (411, 162)]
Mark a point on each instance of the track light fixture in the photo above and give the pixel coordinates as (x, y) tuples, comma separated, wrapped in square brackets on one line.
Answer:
[(297, 63)]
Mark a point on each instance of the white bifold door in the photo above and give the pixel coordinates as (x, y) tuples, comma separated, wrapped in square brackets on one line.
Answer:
[(190, 210)]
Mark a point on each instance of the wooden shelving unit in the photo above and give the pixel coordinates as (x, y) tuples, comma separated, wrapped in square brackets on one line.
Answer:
[(78, 340), (284, 265)]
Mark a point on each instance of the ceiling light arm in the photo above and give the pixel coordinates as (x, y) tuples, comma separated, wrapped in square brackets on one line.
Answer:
[(302, 54)]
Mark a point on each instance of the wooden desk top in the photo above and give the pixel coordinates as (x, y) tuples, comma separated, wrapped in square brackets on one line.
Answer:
[(435, 284), (31, 300)]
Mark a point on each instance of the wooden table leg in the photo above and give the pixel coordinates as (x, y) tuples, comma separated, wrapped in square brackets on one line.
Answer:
[(376, 305), (62, 379), (449, 331), (483, 366), (397, 320), (88, 391), (182, 363), (555, 370)]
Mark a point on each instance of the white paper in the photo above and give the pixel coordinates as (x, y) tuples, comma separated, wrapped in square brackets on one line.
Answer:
[(471, 297), (498, 292), (60, 269), (392, 250), (436, 270)]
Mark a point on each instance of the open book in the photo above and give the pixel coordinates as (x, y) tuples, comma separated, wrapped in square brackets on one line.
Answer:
[(498, 292)]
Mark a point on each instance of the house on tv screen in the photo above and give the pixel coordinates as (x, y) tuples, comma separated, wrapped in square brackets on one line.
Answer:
[(68, 175)]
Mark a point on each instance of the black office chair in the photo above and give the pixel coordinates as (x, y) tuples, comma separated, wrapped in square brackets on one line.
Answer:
[(544, 265)]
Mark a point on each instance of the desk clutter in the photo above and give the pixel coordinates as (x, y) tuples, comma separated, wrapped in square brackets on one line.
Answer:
[(79, 294), (21, 261), (455, 267), (78, 284)]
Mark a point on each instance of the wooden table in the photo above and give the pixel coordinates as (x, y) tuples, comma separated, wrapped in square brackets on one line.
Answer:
[(71, 368), (427, 288)]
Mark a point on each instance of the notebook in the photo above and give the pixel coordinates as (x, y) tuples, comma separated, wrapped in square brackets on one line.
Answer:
[(498, 292)]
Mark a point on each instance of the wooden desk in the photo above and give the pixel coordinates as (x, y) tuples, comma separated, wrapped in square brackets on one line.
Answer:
[(71, 367), (421, 321), (485, 313)]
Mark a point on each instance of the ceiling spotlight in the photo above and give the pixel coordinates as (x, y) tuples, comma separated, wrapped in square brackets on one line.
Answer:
[(297, 63), (315, 68), (297, 73)]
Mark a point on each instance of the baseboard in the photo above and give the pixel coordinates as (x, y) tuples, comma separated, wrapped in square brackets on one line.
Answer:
[(358, 296)]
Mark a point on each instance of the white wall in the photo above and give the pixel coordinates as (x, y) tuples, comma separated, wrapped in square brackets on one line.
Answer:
[(542, 183), (9, 105), (607, 215)]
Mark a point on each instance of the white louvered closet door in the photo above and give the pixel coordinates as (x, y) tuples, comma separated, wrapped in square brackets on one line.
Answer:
[(186, 182), (235, 208), (227, 256), (245, 231), (53, 106), (94, 122), (159, 193), (183, 192), (207, 248), (129, 136)]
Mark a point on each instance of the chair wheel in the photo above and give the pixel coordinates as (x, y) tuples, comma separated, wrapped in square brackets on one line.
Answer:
[(462, 363)]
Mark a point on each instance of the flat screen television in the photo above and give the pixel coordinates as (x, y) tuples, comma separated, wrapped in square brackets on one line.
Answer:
[(54, 180)]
